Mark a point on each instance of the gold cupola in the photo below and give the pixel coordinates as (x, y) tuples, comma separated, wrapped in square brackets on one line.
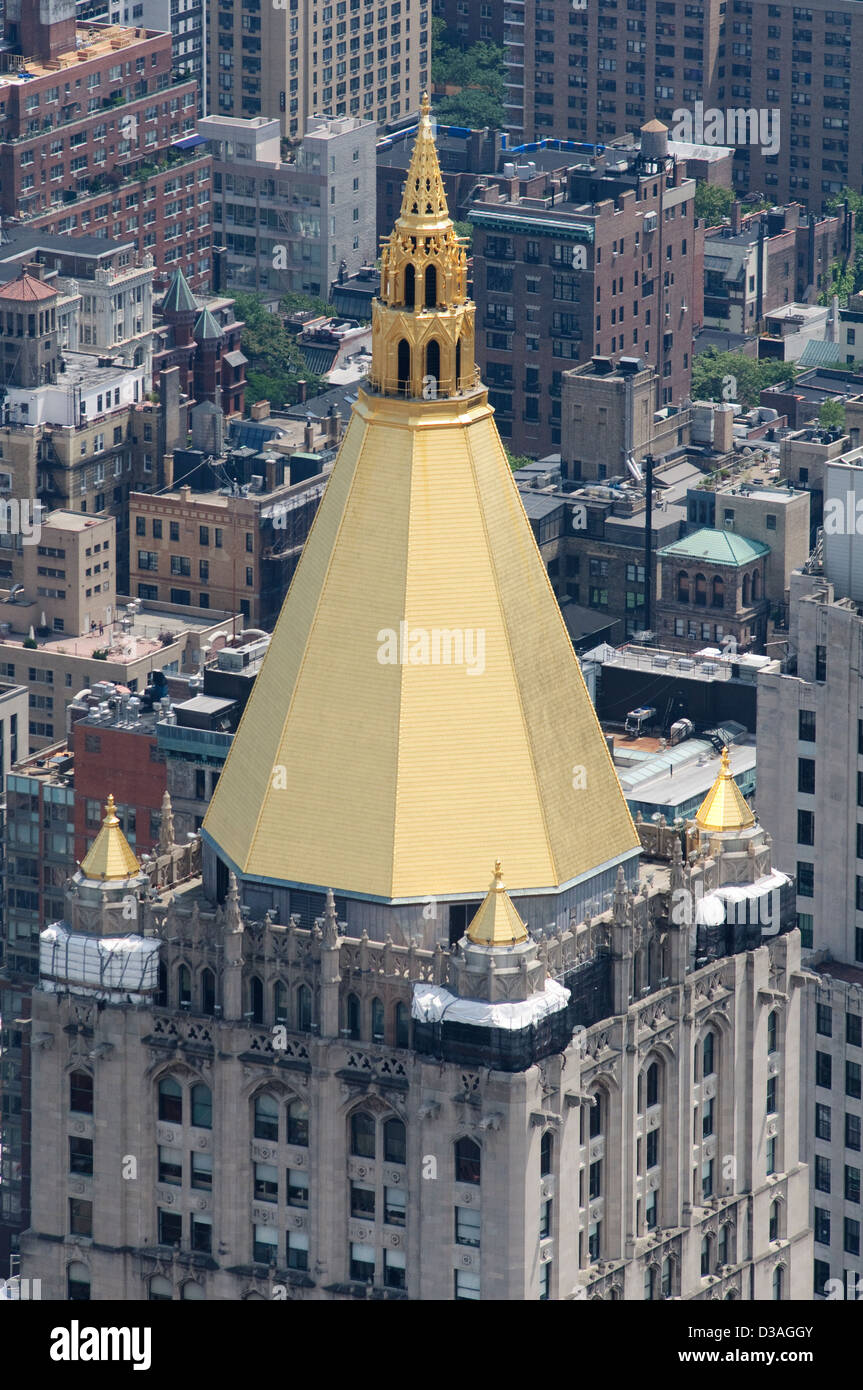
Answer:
[(110, 856), (423, 322), (724, 807), (496, 922)]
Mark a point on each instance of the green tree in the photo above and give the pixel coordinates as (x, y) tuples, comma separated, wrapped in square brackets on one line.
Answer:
[(479, 70), (855, 203), (831, 415), (517, 461), (298, 303), (464, 229), (732, 376), (275, 362), (841, 283), (712, 203)]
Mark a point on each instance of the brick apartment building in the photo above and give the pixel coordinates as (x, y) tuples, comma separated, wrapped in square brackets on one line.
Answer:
[(756, 264), (90, 120), (116, 752), (201, 338), (602, 258), (602, 71)]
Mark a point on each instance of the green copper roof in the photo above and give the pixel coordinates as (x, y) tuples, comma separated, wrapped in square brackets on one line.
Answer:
[(206, 327), (178, 297), (719, 547)]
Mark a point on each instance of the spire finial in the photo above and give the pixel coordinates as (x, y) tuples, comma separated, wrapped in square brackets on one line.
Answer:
[(498, 877), (425, 105), (110, 811)]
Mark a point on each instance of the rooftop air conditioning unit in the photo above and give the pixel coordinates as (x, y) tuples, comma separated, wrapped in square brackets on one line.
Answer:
[(685, 663), (661, 661), (709, 668)]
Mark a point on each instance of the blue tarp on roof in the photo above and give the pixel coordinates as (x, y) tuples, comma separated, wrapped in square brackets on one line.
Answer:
[(189, 142)]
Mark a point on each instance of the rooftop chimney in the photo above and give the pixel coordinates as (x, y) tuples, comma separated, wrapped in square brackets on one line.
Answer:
[(47, 28)]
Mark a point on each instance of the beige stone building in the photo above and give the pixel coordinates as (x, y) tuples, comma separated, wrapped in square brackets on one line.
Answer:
[(306, 58), (339, 1058)]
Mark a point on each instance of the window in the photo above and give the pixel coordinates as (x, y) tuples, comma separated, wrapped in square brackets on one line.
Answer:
[(297, 1250), (771, 1156), (852, 1080), (805, 828), (362, 1200), (773, 1228), (265, 1245), (653, 1084), (402, 1026), (170, 1101), (362, 1262), (822, 1274), (852, 1184), (853, 1024), (708, 1067), (772, 1028), (170, 1165), (81, 1156), (806, 725), (707, 1120), (297, 1184), (78, 1283), (362, 1134), (822, 1226), (823, 1125), (777, 1284), (395, 1206), (266, 1117), (595, 1179), (298, 1124), (468, 1158), (395, 1269), (824, 1020), (266, 1182), (822, 1173), (545, 1219), (852, 1132), (395, 1142), (707, 1178), (202, 1171), (170, 1227), (467, 1285), (174, 529), (805, 879), (806, 775), (851, 1236), (545, 1154), (81, 1093)]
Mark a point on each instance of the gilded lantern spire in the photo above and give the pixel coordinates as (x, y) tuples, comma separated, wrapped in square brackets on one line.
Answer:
[(496, 922), (110, 856), (423, 322), (724, 807)]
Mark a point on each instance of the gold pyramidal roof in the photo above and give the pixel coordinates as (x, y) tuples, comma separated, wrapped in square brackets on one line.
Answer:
[(724, 807), (497, 923), (420, 697), (110, 856)]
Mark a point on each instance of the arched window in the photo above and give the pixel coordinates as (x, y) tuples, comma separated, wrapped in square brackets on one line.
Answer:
[(431, 289), (280, 1002), (410, 285), (208, 991), (404, 367), (718, 591), (78, 1283), (773, 1230), (377, 1020), (433, 360), (402, 1026), (724, 1247), (458, 364), (777, 1283), (192, 1292), (756, 586), (701, 590), (170, 1101), (160, 1289), (184, 987), (705, 1256), (708, 1056), (682, 586), (202, 1106), (162, 987), (772, 1030), (304, 1009), (650, 1282), (352, 1016), (81, 1092), (546, 1150), (652, 1087), (298, 1124), (666, 1278), (362, 1134), (395, 1142), (266, 1117), (256, 999), (746, 588), (468, 1161)]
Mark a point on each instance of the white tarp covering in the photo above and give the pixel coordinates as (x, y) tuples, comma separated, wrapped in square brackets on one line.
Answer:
[(434, 1004), (712, 909), (126, 963)]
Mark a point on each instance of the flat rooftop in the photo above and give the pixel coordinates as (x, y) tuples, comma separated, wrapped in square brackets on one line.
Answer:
[(91, 40), (698, 666)]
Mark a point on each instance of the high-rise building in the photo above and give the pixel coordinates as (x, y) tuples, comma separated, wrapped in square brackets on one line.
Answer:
[(92, 127), (364, 58), (347, 1060), (185, 20)]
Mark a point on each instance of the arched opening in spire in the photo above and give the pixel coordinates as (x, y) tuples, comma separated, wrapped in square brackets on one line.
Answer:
[(431, 287), (746, 591), (404, 367), (410, 286), (458, 365), (433, 360)]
